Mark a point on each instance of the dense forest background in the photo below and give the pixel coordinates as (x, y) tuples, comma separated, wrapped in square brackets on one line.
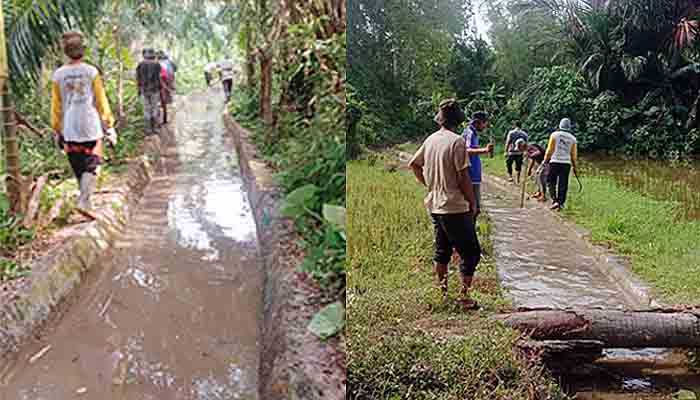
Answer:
[(627, 72)]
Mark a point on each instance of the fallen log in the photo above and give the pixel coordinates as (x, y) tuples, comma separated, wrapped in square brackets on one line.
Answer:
[(613, 328)]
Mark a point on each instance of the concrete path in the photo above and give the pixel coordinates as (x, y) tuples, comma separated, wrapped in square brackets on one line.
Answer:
[(174, 311), (545, 262)]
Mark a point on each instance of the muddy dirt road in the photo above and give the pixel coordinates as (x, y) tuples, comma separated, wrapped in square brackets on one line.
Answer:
[(173, 312)]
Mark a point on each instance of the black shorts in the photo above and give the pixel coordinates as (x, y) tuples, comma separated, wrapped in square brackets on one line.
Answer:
[(83, 160), (456, 231), (517, 159)]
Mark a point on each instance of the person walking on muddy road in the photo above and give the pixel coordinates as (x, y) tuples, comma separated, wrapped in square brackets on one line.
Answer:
[(513, 153), (79, 111), (442, 165), (561, 156), (148, 75), (209, 70), (478, 124), (226, 70)]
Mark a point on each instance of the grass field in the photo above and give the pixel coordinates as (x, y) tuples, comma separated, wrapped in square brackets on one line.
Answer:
[(403, 341), (663, 246)]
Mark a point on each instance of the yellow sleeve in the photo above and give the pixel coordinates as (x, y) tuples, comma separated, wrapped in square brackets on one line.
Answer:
[(56, 108), (102, 103), (574, 153), (550, 148)]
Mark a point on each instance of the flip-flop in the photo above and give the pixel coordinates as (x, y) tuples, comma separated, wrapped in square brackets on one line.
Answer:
[(468, 305)]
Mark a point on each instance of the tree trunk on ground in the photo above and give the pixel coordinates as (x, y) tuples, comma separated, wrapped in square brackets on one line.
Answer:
[(12, 153), (612, 328), (266, 88)]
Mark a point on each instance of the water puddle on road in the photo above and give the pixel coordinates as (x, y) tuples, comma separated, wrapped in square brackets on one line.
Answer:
[(173, 312), (544, 263)]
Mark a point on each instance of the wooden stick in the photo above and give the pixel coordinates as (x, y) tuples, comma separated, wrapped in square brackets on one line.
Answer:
[(524, 180), (40, 354)]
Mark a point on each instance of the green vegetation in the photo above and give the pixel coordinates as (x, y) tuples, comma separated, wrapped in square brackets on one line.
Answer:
[(297, 123), (116, 30), (626, 73), (661, 243), (404, 342)]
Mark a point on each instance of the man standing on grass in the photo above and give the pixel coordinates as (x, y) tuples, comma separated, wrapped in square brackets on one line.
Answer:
[(513, 153), (479, 123), (561, 157), (441, 164)]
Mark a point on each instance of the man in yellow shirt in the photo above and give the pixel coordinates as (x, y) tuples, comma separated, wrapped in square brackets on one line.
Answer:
[(79, 110), (561, 156)]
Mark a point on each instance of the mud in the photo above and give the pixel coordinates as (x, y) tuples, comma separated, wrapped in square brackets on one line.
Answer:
[(174, 310)]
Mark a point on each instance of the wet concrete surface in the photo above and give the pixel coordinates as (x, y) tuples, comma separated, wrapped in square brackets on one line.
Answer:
[(174, 311), (543, 263)]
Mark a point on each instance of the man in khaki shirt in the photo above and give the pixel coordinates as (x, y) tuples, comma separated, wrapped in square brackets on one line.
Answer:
[(442, 165)]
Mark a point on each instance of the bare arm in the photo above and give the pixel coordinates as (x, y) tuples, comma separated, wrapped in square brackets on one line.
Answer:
[(529, 169), (478, 151), (465, 185), (418, 172)]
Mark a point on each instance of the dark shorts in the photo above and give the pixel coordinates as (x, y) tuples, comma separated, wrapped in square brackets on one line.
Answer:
[(517, 159), (456, 231), (81, 159)]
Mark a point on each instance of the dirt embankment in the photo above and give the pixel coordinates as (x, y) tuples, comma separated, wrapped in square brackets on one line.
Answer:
[(295, 364)]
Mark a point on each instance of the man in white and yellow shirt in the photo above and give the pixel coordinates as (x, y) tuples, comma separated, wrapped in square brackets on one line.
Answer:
[(79, 112), (561, 156)]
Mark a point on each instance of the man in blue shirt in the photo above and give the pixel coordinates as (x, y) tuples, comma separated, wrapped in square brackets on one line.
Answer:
[(479, 123)]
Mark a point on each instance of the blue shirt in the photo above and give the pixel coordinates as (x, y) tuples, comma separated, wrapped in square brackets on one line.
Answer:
[(471, 136)]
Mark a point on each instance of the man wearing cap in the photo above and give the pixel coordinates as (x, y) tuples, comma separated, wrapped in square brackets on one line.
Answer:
[(479, 123), (561, 156), (148, 75), (513, 154), (79, 112), (442, 165)]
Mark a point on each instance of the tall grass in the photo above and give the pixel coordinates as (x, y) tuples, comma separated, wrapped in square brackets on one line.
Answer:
[(664, 247), (403, 341)]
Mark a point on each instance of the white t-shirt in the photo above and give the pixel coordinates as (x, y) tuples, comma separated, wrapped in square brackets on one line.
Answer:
[(563, 143), (80, 120), (210, 67), (226, 69)]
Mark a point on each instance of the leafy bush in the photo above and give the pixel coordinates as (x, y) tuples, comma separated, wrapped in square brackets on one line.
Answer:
[(307, 148), (554, 93), (12, 233)]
